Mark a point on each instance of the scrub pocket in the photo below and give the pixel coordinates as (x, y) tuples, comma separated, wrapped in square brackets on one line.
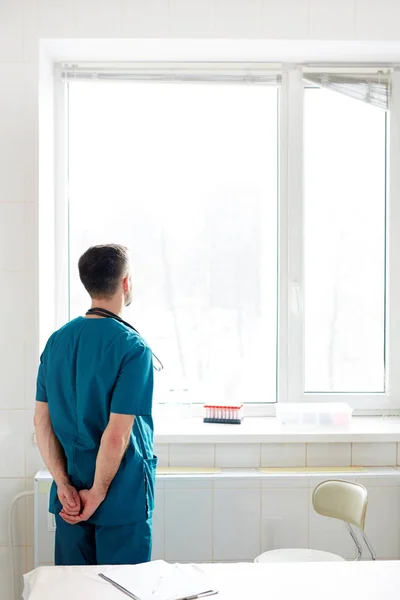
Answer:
[(150, 465)]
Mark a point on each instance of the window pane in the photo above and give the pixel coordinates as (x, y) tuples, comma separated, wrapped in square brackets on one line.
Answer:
[(345, 180), (185, 175)]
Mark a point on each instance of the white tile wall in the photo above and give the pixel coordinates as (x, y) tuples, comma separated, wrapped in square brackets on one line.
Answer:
[(236, 515), (33, 459), (377, 20), (324, 23), (148, 19), (193, 455), (12, 236), (317, 478), (235, 18), (29, 30), (283, 455), (381, 477), (10, 30), (56, 18), (18, 140), (237, 455), (12, 357), (101, 18), (298, 480), (22, 23), (192, 19), (236, 524), (328, 455), (284, 518), (9, 488), (29, 513), (12, 392), (374, 455), (277, 23), (158, 525), (162, 452), (189, 482), (238, 479), (383, 520), (30, 560), (20, 564), (12, 443), (188, 525), (31, 363)]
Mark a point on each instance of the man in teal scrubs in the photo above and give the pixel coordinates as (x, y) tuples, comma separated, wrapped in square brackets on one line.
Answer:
[(94, 424)]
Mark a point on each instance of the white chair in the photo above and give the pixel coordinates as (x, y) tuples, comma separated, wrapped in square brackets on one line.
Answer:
[(341, 500)]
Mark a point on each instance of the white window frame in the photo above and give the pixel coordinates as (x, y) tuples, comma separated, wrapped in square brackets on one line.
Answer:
[(290, 358), (293, 193)]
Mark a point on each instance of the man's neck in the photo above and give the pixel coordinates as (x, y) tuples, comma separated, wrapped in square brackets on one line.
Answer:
[(114, 305)]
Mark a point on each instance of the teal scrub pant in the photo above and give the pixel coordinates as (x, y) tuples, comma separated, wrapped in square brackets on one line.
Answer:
[(88, 544)]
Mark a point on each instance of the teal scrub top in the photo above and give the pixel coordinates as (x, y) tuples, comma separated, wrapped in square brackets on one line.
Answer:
[(90, 368)]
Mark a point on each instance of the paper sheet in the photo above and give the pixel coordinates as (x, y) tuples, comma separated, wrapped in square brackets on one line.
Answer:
[(166, 582)]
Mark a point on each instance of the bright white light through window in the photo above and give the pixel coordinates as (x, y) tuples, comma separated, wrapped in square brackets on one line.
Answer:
[(345, 177), (186, 176)]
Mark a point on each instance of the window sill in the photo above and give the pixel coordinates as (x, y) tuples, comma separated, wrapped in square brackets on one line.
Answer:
[(264, 430)]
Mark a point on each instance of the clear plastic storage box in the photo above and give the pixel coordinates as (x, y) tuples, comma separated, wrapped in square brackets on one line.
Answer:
[(309, 414)]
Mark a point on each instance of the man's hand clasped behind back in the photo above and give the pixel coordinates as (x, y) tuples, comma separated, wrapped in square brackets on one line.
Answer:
[(88, 501), (69, 498)]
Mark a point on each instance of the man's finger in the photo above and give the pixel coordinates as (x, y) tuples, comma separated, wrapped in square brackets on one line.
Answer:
[(69, 519), (69, 495), (72, 512), (75, 495), (85, 515), (70, 507), (66, 499)]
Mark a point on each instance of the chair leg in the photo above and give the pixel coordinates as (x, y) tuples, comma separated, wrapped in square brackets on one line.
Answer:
[(355, 540), (368, 544)]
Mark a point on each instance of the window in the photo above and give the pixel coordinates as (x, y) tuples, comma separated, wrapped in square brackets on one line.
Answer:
[(186, 176), (344, 243), (256, 279)]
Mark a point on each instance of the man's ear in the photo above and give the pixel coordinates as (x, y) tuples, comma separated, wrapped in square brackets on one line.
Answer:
[(125, 284)]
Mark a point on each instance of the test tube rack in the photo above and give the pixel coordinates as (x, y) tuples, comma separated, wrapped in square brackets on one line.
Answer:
[(232, 415)]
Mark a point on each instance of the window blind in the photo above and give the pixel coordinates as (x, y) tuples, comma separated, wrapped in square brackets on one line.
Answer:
[(371, 88), (212, 72)]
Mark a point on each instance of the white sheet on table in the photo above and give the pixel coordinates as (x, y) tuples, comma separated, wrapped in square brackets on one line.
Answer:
[(367, 580), (156, 580)]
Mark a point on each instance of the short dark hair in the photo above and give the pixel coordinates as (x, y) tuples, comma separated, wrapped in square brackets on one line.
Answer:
[(101, 269)]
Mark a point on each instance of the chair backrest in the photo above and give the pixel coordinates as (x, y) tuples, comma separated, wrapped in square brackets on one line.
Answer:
[(342, 500)]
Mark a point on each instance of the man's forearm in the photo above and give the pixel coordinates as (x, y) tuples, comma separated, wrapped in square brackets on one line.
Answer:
[(51, 449), (112, 449)]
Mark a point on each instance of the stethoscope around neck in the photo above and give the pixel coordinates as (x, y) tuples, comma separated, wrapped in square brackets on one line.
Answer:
[(107, 314)]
